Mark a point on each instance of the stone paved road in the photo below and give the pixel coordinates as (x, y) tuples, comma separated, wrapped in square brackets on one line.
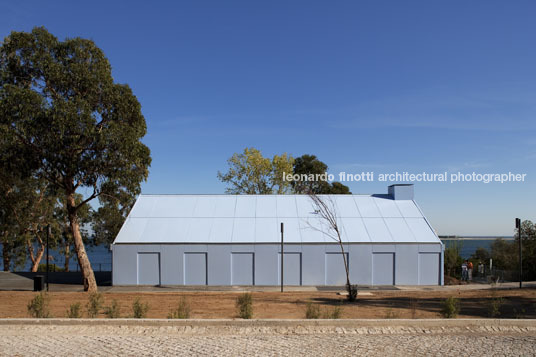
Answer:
[(131, 340)]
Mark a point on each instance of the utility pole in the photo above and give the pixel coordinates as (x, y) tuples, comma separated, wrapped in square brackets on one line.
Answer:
[(282, 255), (518, 226)]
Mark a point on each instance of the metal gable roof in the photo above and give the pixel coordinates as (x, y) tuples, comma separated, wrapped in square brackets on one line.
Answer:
[(256, 219)]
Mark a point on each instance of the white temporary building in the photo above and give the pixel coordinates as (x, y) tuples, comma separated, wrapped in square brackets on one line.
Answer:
[(236, 240)]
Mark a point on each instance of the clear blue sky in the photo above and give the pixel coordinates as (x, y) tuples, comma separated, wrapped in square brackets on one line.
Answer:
[(364, 85)]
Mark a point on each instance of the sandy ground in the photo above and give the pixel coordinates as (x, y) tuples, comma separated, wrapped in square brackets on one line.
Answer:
[(291, 305)]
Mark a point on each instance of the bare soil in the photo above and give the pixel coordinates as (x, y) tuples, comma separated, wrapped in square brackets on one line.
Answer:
[(513, 303)]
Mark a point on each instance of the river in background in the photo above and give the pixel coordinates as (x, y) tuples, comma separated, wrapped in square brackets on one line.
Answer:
[(469, 245), (100, 257)]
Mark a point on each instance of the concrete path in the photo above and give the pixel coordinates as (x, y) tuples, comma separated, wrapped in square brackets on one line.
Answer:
[(60, 337)]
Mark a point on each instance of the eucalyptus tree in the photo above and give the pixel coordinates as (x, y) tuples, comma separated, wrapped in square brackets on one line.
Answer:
[(74, 125)]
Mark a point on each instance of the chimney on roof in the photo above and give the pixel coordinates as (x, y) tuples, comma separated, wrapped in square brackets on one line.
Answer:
[(401, 192)]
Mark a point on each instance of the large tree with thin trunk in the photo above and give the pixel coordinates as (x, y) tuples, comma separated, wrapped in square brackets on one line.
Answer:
[(73, 124)]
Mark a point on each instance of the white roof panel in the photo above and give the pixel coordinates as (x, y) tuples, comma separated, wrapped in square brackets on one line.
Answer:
[(225, 206), (222, 230), (366, 206), (354, 230), (267, 230), (421, 230), (387, 207), (257, 218), (286, 206), (399, 230), (377, 229), (266, 206), (245, 206)]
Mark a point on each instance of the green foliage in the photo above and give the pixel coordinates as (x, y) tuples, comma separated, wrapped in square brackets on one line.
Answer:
[(495, 304), (451, 307), (310, 165), (182, 311), (312, 311), (453, 260), (74, 311), (38, 307), (113, 311), (244, 305), (94, 304), (75, 128), (139, 309), (51, 267), (251, 173), (480, 255)]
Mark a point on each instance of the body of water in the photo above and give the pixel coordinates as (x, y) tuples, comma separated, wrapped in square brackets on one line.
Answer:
[(468, 246), (100, 257)]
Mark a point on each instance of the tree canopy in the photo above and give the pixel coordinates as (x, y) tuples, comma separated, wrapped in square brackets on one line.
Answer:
[(74, 127), (251, 173), (310, 165)]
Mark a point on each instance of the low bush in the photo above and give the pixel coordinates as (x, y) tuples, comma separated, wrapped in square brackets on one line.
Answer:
[(334, 313), (94, 305), (312, 311), (139, 309), (38, 306), (182, 311), (494, 308), (75, 311), (244, 305), (113, 311), (451, 307)]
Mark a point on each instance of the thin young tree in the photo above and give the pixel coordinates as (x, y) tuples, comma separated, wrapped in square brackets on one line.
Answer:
[(325, 209), (74, 126)]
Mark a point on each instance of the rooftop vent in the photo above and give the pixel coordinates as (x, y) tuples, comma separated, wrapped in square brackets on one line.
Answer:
[(401, 192)]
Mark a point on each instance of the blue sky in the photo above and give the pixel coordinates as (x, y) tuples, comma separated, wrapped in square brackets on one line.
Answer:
[(364, 85)]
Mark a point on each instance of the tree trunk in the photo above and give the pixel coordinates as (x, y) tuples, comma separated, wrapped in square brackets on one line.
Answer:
[(90, 284), (36, 258), (67, 253)]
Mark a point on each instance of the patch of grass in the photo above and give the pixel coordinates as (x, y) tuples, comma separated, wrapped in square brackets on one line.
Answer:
[(182, 311), (391, 314), (139, 309), (113, 311), (334, 313), (451, 307), (244, 305), (312, 311), (413, 306), (74, 311), (38, 306), (94, 305), (494, 308)]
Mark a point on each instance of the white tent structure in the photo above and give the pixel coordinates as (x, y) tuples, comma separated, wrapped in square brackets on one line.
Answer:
[(236, 240)]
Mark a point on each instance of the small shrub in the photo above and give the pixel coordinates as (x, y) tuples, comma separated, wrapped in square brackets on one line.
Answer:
[(94, 305), (494, 308), (352, 292), (413, 305), (312, 311), (75, 311), (334, 313), (244, 305), (38, 306), (139, 309), (182, 311), (451, 307), (519, 314), (113, 311), (391, 314)]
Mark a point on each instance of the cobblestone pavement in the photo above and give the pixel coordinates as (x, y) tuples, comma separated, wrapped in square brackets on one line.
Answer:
[(131, 340)]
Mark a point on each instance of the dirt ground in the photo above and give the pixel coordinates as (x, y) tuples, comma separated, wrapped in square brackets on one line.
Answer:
[(513, 303)]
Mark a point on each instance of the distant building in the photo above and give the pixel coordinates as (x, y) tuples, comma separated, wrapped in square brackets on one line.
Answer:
[(235, 240)]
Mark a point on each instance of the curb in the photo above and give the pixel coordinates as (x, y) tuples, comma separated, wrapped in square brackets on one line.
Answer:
[(349, 323)]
